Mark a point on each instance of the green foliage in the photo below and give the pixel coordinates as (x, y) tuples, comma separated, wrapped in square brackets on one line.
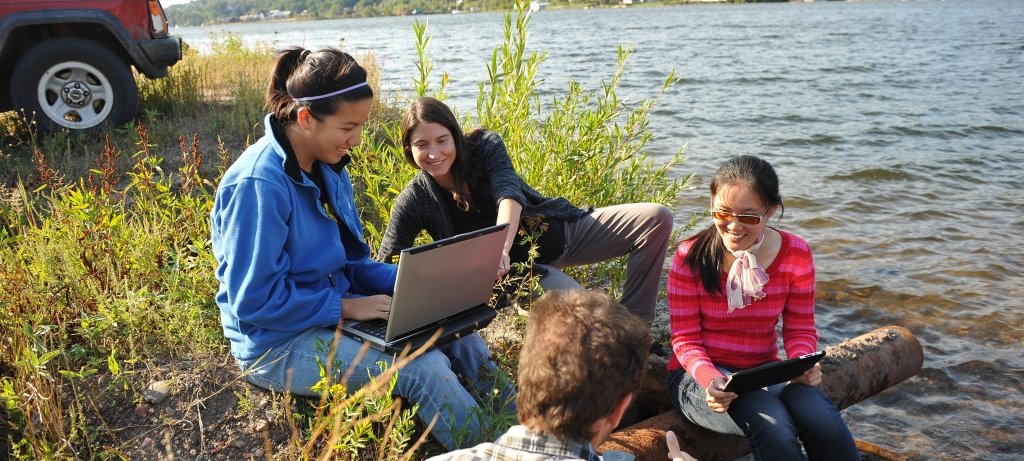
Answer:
[(115, 268), (223, 91), (108, 265), (351, 423), (101, 274), (183, 89), (423, 65), (379, 171), (586, 147)]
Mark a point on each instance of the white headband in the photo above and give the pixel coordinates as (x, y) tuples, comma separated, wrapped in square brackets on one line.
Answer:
[(335, 93)]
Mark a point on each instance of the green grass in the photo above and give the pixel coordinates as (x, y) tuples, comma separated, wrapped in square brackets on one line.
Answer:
[(105, 259)]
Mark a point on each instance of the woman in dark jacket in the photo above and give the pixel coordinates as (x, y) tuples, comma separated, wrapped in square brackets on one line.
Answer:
[(467, 182)]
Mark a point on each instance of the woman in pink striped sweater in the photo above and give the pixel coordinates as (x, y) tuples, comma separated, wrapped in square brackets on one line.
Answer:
[(728, 287)]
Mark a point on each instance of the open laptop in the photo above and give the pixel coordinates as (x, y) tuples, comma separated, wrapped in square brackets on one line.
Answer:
[(772, 373), (444, 285)]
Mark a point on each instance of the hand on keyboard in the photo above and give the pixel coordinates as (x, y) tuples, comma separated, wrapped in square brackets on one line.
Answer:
[(365, 308)]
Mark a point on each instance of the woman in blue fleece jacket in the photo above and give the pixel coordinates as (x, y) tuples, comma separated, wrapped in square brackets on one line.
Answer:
[(292, 263)]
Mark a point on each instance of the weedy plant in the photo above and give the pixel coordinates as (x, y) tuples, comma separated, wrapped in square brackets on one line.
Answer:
[(106, 269), (587, 147), (364, 423), (221, 92), (92, 282)]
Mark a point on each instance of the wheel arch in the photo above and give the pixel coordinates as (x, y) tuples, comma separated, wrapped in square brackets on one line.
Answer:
[(99, 26)]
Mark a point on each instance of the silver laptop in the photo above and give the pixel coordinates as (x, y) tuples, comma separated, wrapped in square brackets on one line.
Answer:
[(445, 285)]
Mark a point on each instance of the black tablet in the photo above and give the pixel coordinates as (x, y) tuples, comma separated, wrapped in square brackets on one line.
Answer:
[(771, 373)]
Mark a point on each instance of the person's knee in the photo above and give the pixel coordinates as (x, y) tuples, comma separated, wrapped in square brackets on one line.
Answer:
[(432, 364), (664, 214), (555, 279), (763, 415), (775, 426), (425, 375), (658, 215), (811, 410), (260, 381), (659, 221), (806, 400), (471, 344), (292, 368)]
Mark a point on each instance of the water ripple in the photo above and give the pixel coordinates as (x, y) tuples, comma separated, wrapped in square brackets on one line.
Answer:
[(874, 174), (813, 140), (897, 129)]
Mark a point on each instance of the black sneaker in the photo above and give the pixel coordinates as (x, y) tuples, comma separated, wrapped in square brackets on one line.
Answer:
[(659, 349)]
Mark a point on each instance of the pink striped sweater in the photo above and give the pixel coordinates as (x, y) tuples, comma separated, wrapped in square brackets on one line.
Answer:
[(704, 335)]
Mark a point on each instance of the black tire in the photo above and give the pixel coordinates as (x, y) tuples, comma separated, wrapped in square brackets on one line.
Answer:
[(73, 83)]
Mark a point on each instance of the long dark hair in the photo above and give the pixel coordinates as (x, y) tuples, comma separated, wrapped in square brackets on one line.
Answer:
[(431, 110), (708, 252), (300, 73)]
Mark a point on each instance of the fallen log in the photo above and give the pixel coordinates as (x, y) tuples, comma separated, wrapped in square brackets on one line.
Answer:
[(852, 371)]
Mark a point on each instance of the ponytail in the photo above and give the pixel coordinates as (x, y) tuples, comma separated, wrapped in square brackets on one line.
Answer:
[(278, 101), (300, 73)]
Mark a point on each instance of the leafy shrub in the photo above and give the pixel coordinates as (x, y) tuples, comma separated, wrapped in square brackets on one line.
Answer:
[(116, 268)]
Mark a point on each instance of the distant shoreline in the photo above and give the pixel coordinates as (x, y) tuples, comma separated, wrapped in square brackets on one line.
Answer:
[(171, 11)]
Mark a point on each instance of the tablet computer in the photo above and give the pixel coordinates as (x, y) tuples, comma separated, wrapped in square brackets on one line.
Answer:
[(771, 373)]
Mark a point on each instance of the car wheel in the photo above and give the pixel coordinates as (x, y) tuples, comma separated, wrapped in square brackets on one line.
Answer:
[(73, 83)]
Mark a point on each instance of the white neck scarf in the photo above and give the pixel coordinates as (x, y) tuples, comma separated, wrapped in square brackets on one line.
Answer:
[(746, 279)]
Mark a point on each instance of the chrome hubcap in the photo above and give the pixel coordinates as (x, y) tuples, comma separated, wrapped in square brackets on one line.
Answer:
[(76, 94)]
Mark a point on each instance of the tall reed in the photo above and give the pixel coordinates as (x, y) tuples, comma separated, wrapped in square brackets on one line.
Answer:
[(106, 265), (587, 147)]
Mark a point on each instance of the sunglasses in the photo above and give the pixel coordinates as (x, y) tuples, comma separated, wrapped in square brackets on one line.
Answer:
[(743, 218)]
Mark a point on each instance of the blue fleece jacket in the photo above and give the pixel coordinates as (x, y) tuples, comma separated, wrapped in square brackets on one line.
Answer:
[(284, 264)]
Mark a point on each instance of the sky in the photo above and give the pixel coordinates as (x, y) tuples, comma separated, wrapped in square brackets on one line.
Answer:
[(167, 3)]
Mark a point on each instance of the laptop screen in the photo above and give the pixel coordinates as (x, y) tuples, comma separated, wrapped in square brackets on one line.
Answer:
[(443, 278)]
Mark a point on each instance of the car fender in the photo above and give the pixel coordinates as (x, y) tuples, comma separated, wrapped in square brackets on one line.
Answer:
[(129, 44)]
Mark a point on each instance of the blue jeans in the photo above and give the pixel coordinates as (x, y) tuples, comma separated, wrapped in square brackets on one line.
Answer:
[(774, 421), (432, 380)]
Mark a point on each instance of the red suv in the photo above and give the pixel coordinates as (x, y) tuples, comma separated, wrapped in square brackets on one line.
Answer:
[(67, 64)]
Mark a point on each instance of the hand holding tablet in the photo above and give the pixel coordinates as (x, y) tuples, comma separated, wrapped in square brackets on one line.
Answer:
[(771, 373)]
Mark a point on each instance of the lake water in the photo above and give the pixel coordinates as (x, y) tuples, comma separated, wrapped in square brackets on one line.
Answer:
[(898, 133)]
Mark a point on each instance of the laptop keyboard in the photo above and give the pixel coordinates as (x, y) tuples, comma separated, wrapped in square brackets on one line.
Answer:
[(375, 327)]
